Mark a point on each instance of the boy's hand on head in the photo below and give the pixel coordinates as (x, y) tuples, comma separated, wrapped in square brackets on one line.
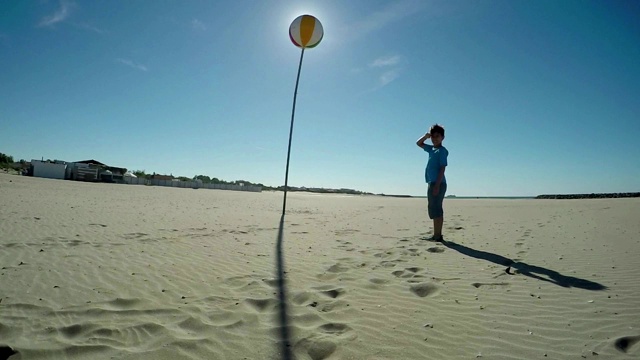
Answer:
[(427, 135)]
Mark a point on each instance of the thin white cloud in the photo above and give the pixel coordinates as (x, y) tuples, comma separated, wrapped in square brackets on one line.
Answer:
[(387, 77), (383, 80), (198, 25), (61, 14), (385, 61), (387, 69), (395, 11), (89, 27), (132, 64)]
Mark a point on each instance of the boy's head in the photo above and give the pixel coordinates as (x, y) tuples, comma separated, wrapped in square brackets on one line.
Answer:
[(437, 134)]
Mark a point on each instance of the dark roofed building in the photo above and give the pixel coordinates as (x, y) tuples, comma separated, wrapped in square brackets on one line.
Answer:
[(94, 170), (90, 162)]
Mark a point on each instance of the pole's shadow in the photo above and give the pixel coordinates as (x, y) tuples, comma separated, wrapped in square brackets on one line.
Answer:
[(283, 316), (533, 271)]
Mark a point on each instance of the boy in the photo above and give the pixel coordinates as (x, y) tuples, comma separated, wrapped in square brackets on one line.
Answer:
[(434, 176)]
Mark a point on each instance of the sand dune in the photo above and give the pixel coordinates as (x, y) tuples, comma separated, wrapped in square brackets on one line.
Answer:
[(102, 271)]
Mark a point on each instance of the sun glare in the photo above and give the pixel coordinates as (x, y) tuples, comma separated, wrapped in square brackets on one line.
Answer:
[(320, 12), (279, 18)]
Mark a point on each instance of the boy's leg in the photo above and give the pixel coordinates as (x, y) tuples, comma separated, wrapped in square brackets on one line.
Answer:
[(431, 205), (437, 226), (438, 219)]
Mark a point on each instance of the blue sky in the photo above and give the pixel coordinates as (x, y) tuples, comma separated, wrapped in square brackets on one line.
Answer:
[(536, 96)]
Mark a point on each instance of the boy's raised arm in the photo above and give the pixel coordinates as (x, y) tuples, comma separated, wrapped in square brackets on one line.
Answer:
[(421, 141)]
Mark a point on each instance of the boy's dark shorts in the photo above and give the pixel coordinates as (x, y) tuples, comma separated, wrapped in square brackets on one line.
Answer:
[(435, 201)]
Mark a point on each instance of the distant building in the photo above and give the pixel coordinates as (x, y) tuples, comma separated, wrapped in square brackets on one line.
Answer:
[(91, 162), (83, 171), (93, 170), (49, 169)]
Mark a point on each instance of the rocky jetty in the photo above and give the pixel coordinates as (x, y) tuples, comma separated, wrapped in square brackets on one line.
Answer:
[(590, 196)]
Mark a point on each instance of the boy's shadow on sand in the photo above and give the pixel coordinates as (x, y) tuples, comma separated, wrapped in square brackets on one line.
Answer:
[(533, 271)]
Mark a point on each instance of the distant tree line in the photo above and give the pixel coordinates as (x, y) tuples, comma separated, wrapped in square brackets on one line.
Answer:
[(214, 180), (7, 162), (204, 178), (321, 190), (6, 159)]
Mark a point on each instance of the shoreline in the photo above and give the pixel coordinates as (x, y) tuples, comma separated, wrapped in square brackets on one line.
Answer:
[(591, 196)]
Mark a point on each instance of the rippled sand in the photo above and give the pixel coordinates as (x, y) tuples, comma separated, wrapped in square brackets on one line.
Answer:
[(103, 271)]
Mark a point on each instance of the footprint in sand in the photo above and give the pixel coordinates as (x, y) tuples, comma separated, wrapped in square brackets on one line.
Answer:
[(378, 281), (411, 273), (435, 249), (330, 291), (412, 252), (324, 342), (388, 264), (315, 349), (262, 305), (334, 328), (338, 268), (318, 298), (72, 331), (247, 282), (402, 274), (425, 289), (331, 306), (384, 254), (231, 319)]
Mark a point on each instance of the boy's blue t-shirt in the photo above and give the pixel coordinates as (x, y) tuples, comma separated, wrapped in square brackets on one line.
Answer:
[(437, 159)]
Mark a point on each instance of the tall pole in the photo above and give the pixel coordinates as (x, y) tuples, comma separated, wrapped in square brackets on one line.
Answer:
[(293, 112)]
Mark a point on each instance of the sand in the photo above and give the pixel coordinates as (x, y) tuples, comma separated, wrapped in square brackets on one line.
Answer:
[(106, 271)]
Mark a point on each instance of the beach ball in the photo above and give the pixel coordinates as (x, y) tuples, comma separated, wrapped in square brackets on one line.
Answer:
[(306, 31)]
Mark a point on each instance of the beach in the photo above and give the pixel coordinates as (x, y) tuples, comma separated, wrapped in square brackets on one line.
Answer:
[(109, 271)]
